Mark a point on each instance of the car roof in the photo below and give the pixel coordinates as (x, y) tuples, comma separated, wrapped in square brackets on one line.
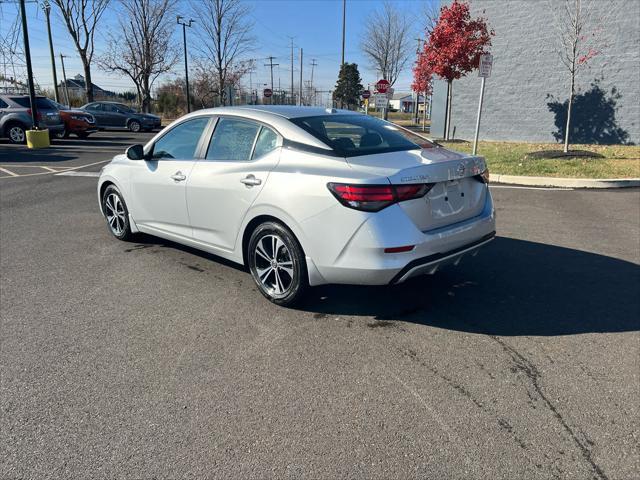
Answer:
[(292, 111), (277, 116)]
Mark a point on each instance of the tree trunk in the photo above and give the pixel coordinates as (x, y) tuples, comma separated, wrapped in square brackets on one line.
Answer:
[(146, 96), (448, 116), (568, 125), (87, 80)]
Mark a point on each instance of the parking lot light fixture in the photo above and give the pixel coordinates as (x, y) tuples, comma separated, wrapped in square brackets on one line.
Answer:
[(185, 24)]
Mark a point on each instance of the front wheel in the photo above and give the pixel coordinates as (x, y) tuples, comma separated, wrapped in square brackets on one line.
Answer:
[(116, 213), (135, 126), (277, 264)]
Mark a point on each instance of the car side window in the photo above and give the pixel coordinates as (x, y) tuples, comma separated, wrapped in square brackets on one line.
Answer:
[(267, 141), (94, 107), (3, 104), (181, 141), (232, 140)]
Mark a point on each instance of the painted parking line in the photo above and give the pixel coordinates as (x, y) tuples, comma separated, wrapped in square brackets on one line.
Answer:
[(48, 170), (74, 173), (8, 172)]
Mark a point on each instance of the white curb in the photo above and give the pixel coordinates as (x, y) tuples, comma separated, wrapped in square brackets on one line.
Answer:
[(565, 182)]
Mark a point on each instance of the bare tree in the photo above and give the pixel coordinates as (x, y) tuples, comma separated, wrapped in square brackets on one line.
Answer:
[(430, 16), (81, 18), (386, 41), (142, 49), (226, 36), (579, 40)]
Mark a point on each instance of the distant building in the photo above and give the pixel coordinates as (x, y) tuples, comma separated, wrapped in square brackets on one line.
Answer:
[(77, 88), (526, 95), (405, 102)]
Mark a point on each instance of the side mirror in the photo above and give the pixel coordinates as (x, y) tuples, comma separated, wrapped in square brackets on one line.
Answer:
[(135, 152)]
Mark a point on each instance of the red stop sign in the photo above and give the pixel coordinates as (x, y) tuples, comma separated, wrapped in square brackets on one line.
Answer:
[(382, 86), (366, 94), (267, 92)]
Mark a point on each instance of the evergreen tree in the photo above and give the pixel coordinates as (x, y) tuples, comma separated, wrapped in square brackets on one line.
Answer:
[(349, 87)]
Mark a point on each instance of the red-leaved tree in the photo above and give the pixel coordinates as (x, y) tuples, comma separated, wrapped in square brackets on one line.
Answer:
[(453, 48), (422, 83)]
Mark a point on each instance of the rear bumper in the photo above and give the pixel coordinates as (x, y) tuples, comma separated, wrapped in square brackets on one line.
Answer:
[(363, 260), (431, 264)]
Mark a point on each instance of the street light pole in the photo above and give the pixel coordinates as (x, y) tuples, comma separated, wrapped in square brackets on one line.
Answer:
[(186, 68), (344, 16), (64, 77), (47, 12), (27, 54)]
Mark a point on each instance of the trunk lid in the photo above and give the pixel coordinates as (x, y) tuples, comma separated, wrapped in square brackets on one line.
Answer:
[(456, 195)]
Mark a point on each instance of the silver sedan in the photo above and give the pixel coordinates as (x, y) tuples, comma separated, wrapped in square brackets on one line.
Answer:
[(302, 196)]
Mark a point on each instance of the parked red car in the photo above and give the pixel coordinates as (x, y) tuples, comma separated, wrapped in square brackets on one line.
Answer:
[(78, 122)]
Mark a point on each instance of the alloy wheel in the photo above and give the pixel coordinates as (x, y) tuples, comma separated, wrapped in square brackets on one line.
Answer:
[(274, 264), (16, 134), (114, 210)]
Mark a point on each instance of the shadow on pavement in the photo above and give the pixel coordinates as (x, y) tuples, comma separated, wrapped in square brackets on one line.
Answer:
[(24, 155), (511, 288)]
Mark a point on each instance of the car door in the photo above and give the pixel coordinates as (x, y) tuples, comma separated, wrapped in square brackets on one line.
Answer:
[(96, 109), (113, 117), (224, 184), (158, 203)]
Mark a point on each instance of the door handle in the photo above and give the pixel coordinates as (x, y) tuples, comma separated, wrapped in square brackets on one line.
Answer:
[(251, 181), (178, 176)]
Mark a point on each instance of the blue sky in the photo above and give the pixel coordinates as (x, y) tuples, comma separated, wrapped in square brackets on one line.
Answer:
[(316, 26)]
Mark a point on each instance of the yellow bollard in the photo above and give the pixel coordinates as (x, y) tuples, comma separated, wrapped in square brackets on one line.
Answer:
[(38, 138)]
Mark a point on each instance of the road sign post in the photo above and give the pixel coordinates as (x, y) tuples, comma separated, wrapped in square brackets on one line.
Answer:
[(381, 88), (484, 71), (366, 94)]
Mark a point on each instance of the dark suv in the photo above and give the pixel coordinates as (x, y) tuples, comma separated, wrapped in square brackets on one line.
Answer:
[(110, 115), (15, 117)]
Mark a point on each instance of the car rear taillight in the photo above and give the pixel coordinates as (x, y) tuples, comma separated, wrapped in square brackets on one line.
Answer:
[(38, 115), (484, 176), (373, 198)]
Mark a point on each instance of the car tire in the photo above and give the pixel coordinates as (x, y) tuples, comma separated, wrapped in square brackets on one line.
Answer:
[(277, 264), (16, 133), (116, 213), (82, 135), (61, 134), (135, 126)]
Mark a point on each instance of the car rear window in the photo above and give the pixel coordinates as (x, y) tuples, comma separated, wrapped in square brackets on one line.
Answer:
[(42, 103), (352, 135)]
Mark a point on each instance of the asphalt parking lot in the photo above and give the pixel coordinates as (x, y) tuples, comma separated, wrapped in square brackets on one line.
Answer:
[(153, 360)]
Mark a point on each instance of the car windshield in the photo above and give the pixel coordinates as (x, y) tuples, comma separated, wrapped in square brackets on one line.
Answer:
[(352, 135), (41, 103)]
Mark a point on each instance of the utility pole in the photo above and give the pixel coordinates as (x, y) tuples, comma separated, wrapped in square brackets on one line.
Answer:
[(300, 76), (344, 16), (186, 24), (292, 91), (27, 54), (46, 6), (64, 77), (271, 65), (417, 104), (313, 64)]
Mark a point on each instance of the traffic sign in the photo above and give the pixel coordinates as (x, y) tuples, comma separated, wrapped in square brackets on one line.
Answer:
[(382, 86), (486, 62), (366, 94), (267, 92), (381, 100)]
